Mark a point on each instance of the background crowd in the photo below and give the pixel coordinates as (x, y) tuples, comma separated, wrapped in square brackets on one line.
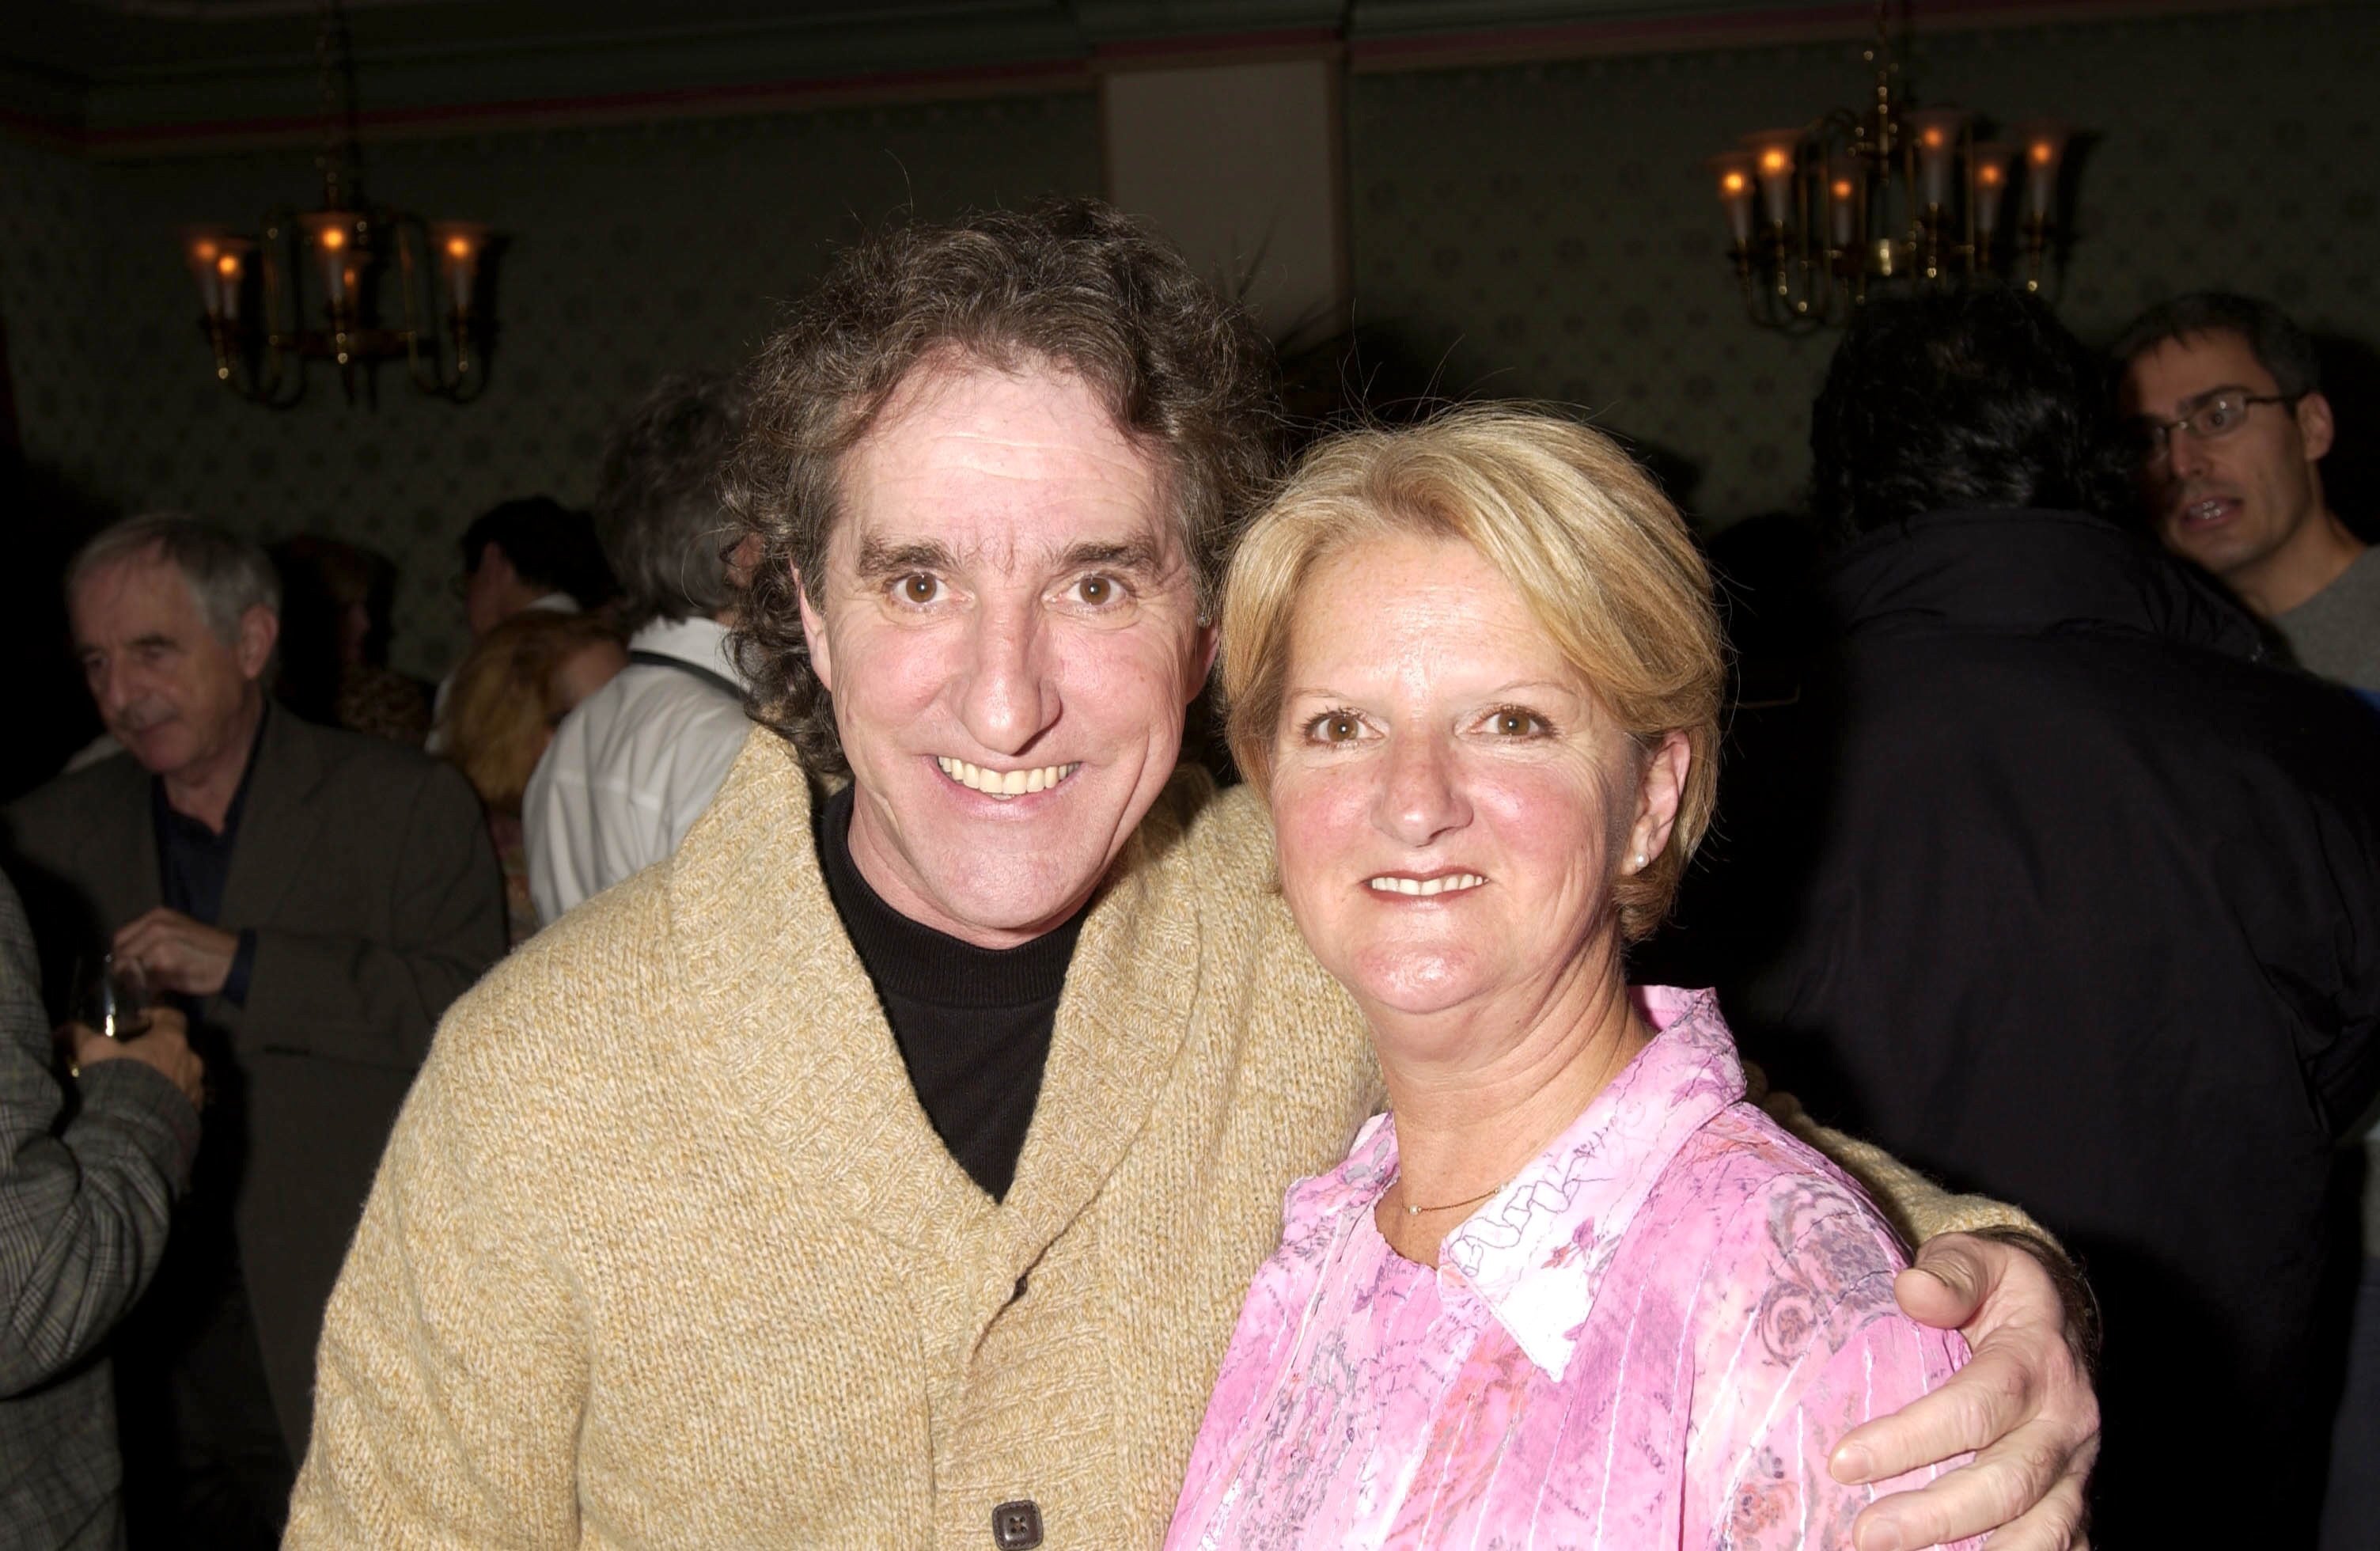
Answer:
[(2046, 860)]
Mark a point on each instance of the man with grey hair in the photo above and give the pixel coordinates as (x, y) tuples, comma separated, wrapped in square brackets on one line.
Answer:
[(310, 900), (635, 763)]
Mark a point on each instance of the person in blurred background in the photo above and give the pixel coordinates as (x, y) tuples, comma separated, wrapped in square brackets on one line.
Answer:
[(533, 553), (518, 683), (631, 770), (311, 899), (2054, 887), (2230, 427), (88, 1179), (336, 602), (530, 553)]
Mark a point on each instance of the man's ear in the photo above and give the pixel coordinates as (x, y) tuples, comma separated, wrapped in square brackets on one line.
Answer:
[(1210, 637), (498, 564), (814, 635), (259, 628), (2315, 427)]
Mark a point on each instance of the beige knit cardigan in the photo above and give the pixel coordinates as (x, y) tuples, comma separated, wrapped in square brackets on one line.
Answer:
[(664, 1251)]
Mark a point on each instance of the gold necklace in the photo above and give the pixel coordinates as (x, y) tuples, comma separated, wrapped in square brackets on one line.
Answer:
[(1416, 1211)]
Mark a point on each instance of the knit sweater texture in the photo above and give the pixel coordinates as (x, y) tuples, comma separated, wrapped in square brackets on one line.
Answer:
[(664, 1253)]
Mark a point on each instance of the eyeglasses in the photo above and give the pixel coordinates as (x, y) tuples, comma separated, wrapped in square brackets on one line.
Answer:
[(2218, 414)]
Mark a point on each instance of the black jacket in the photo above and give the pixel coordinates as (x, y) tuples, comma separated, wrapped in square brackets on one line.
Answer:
[(2049, 885)]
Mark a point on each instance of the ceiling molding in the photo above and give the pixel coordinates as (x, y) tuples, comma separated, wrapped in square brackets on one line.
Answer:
[(1397, 35), (248, 78)]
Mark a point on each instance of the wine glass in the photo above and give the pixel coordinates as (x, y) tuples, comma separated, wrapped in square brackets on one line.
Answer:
[(111, 996)]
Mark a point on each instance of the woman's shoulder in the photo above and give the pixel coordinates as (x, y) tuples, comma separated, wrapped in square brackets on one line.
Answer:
[(1778, 1224)]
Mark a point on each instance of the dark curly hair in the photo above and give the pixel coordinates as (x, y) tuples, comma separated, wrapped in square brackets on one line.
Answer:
[(1949, 400), (1069, 281)]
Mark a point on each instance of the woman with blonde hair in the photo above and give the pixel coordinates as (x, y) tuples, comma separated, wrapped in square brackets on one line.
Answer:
[(1571, 1288), (519, 681)]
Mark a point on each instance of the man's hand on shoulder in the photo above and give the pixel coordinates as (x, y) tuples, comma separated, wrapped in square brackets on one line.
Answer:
[(2023, 1404), (178, 953), (166, 1048)]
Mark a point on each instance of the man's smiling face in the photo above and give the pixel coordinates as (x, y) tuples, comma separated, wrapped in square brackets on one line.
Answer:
[(1008, 623)]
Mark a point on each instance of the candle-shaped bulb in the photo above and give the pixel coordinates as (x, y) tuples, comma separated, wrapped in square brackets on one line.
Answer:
[(2045, 149), (202, 247), (1774, 156), (1843, 203), (1934, 133), (458, 245), (1989, 165), (332, 233), (1735, 180)]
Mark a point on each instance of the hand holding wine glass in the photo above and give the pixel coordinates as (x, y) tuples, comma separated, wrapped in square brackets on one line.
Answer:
[(165, 1047), (111, 996)]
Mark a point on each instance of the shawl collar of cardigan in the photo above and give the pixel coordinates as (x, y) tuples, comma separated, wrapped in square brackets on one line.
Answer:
[(763, 959)]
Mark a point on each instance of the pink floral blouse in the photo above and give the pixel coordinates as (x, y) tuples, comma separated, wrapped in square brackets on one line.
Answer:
[(1652, 1337)]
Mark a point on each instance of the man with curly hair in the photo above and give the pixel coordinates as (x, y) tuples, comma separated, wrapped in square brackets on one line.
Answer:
[(886, 1167)]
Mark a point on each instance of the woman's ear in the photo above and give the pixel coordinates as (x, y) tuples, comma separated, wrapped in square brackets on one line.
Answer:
[(1662, 788)]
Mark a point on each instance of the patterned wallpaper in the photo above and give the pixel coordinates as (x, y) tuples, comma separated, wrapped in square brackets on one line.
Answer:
[(1550, 231), (1544, 231), (634, 251)]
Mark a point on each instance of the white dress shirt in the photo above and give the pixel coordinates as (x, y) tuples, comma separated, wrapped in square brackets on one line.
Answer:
[(632, 766)]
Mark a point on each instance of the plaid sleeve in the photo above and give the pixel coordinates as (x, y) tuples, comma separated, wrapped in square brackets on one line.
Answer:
[(84, 1207)]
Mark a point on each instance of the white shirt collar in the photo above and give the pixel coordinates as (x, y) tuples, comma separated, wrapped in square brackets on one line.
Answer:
[(705, 642)]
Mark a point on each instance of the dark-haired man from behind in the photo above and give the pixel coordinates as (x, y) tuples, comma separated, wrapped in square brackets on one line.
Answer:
[(532, 552), (2050, 884), (2225, 397)]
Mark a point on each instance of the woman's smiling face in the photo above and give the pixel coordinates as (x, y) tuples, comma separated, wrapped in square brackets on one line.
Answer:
[(1451, 801)]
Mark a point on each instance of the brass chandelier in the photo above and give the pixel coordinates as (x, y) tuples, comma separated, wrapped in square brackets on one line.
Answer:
[(253, 290), (1890, 193)]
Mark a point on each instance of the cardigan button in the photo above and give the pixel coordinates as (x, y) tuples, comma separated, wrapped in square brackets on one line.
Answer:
[(1016, 1526)]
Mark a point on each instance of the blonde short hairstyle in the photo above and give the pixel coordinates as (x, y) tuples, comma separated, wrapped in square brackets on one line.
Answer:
[(1602, 559), (507, 696)]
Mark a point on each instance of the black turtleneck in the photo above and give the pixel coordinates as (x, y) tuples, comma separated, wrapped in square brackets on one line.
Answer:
[(973, 1024)]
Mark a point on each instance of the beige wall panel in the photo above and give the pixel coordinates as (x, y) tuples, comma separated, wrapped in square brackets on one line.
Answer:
[(1240, 164)]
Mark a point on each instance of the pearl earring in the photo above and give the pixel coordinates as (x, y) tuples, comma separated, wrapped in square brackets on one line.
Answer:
[(1639, 863)]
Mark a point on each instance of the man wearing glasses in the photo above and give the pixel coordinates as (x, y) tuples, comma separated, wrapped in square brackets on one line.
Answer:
[(2226, 396)]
